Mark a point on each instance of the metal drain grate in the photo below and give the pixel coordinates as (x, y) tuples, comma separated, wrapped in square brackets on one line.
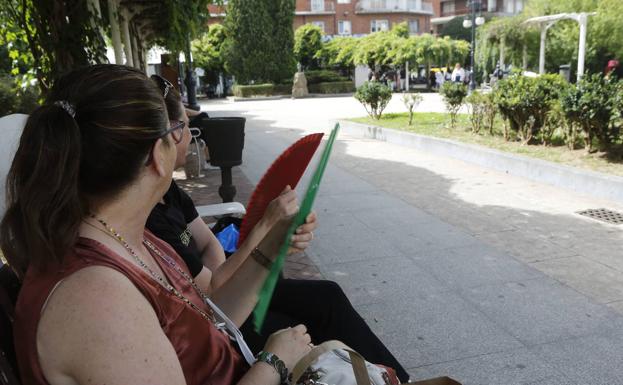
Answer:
[(603, 215)]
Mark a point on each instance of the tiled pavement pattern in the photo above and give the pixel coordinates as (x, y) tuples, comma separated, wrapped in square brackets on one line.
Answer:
[(460, 270), (204, 191)]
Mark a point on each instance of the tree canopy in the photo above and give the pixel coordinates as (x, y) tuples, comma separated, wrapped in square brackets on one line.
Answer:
[(259, 43), (604, 35), (307, 41)]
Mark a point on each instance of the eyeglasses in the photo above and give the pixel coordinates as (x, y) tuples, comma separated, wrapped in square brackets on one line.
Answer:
[(164, 84), (177, 133)]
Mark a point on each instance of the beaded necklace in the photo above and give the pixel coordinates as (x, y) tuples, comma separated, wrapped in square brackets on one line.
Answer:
[(154, 250)]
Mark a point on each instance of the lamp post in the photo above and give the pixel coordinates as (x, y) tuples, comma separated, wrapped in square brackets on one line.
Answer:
[(472, 23), (191, 79)]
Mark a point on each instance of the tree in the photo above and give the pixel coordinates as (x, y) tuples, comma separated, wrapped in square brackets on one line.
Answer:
[(455, 30), (176, 22), (208, 51), (339, 52), (40, 25), (259, 42), (283, 38), (373, 49), (381, 48), (307, 43), (604, 35), (411, 100), (429, 51)]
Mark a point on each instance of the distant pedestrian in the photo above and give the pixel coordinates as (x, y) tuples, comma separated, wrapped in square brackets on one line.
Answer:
[(439, 79), (458, 75)]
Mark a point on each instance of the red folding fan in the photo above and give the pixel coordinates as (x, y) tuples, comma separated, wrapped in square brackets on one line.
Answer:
[(286, 170)]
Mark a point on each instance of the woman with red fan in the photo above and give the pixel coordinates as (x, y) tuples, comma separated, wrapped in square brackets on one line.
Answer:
[(319, 304)]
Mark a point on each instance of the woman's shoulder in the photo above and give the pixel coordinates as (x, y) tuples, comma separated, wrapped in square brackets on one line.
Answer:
[(93, 316)]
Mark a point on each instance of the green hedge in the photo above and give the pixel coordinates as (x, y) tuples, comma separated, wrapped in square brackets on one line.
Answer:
[(323, 76), (332, 88), (267, 89), (319, 76)]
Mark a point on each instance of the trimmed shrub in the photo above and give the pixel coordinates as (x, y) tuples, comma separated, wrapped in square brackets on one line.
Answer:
[(324, 76), (267, 89), (482, 111), (591, 105), (453, 96), (525, 102), (374, 97), (345, 87)]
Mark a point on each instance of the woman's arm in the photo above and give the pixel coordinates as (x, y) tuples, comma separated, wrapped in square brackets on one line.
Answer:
[(238, 295), (97, 328), (218, 270)]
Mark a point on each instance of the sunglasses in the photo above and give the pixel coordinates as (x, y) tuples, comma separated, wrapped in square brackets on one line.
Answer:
[(164, 84)]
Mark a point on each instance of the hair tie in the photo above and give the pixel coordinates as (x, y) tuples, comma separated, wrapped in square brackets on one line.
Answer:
[(68, 107)]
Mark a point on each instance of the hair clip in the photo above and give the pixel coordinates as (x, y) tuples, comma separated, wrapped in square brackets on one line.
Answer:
[(167, 87), (68, 107)]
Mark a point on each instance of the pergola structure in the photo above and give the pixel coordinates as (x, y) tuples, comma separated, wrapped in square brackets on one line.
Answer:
[(132, 24), (545, 22)]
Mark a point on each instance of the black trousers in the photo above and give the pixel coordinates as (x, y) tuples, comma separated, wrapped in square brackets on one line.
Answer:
[(327, 313)]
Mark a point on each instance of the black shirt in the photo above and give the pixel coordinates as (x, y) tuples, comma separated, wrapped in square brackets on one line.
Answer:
[(169, 222)]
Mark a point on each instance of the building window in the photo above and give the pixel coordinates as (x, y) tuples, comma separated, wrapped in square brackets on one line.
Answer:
[(317, 5), (379, 25), (343, 1), (343, 27), (319, 24), (414, 26), (447, 7)]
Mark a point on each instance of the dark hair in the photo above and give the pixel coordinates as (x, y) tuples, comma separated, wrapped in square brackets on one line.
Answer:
[(172, 97), (62, 161)]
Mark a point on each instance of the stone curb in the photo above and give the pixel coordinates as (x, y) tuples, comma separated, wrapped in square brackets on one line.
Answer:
[(277, 97), (582, 181)]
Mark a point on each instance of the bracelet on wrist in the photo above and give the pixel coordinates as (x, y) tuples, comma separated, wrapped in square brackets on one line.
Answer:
[(261, 258), (276, 363)]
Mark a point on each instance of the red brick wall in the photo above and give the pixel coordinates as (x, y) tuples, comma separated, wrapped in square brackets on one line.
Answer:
[(360, 23), (329, 22)]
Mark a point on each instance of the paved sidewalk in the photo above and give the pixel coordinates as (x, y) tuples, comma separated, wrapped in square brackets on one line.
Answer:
[(204, 191), (461, 270)]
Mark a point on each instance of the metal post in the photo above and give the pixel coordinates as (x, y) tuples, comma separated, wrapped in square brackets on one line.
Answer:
[(407, 76), (472, 80), (542, 51), (582, 19), (191, 81)]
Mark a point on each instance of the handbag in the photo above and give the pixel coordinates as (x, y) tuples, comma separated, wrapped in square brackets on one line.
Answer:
[(334, 363)]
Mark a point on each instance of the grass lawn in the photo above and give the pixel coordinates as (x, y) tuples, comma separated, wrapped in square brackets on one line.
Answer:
[(438, 125)]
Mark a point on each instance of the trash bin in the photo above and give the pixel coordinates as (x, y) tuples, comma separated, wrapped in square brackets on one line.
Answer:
[(225, 140), (565, 71)]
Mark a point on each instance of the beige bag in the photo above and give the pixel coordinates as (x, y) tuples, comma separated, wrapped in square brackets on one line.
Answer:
[(326, 364)]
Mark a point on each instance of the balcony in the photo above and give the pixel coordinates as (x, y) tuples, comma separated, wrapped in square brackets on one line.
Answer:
[(318, 7), (394, 6)]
